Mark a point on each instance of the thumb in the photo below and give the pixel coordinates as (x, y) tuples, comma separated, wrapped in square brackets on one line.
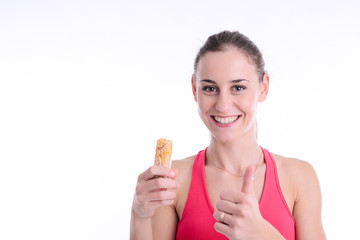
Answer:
[(248, 182)]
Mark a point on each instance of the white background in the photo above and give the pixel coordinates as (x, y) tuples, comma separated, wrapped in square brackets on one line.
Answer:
[(87, 87)]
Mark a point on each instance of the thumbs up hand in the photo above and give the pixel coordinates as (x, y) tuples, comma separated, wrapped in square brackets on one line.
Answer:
[(238, 213)]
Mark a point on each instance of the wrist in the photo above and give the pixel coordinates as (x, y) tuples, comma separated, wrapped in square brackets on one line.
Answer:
[(139, 213), (269, 232)]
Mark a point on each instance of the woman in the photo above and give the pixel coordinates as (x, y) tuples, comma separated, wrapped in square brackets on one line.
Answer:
[(234, 189)]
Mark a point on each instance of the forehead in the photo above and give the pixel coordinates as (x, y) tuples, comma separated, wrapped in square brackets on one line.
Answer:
[(229, 64)]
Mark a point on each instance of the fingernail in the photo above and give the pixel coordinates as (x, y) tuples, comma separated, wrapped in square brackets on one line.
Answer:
[(253, 177), (172, 174)]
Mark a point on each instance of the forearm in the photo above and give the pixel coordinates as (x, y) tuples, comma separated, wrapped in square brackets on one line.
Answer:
[(140, 228)]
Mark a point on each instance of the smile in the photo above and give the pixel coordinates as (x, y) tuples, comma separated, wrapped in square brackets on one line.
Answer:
[(225, 120)]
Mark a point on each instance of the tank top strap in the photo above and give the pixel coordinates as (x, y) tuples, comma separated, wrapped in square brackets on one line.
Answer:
[(273, 206), (198, 195), (197, 221), (272, 179)]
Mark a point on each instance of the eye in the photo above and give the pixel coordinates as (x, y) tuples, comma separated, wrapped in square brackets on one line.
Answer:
[(238, 88), (209, 89)]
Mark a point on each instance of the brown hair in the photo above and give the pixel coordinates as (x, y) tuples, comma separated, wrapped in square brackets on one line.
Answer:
[(222, 40)]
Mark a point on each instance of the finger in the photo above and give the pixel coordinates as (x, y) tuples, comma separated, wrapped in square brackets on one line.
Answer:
[(157, 184), (227, 219), (174, 173), (157, 204), (248, 183), (161, 196), (239, 209), (232, 196), (222, 228), (154, 171), (216, 215), (225, 206)]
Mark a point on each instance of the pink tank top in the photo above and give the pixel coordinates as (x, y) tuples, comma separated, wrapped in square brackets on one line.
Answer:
[(197, 221)]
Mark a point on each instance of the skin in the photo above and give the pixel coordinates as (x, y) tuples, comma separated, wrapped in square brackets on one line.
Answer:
[(226, 85)]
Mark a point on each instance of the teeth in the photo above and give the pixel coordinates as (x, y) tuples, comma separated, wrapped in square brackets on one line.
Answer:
[(225, 120)]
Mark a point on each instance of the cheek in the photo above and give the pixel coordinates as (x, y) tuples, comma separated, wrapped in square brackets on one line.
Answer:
[(202, 103), (249, 104), (202, 107)]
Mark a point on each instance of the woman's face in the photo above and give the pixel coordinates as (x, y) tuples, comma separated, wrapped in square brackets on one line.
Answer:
[(227, 90)]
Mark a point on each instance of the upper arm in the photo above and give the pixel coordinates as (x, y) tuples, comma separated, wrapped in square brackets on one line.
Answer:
[(307, 208), (164, 223)]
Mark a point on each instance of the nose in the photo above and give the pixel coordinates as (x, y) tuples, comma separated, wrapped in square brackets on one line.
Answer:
[(223, 102)]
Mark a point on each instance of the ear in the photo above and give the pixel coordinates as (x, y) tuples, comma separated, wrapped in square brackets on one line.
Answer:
[(193, 86), (264, 87)]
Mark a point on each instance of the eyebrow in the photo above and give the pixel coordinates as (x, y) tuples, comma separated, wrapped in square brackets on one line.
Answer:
[(233, 81)]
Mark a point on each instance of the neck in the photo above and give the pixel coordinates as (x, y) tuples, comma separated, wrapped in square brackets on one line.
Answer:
[(234, 157)]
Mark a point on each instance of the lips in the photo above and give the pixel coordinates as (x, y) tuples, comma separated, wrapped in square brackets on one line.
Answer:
[(225, 120)]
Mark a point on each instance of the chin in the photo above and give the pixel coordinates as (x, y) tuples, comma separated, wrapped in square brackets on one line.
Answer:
[(224, 138)]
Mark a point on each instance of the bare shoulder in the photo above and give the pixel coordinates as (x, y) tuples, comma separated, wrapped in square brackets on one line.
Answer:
[(183, 164), (302, 192), (296, 176), (296, 168), (184, 168)]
